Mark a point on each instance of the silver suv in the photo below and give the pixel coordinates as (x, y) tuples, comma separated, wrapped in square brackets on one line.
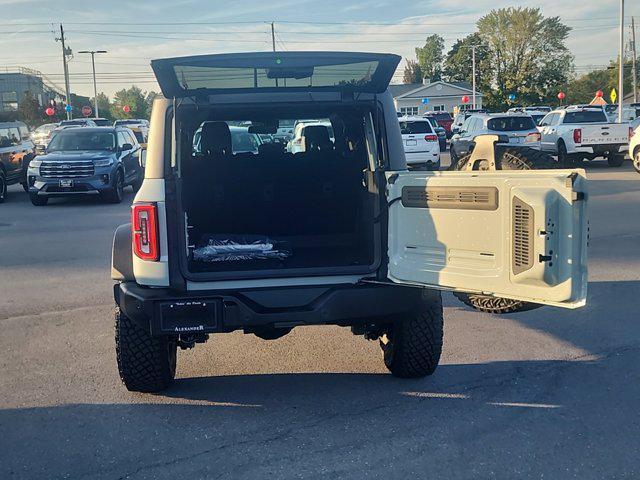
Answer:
[(518, 129), (339, 233)]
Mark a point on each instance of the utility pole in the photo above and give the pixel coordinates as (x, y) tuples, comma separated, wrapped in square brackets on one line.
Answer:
[(473, 75), (95, 90), (634, 56), (621, 63), (273, 36), (65, 67)]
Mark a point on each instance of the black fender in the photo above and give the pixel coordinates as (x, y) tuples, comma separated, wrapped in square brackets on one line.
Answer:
[(122, 255)]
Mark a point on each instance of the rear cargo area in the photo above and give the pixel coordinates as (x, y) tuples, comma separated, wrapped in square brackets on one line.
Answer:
[(302, 204)]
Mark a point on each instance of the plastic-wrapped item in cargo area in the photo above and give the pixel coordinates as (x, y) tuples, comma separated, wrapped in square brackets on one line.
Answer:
[(230, 248)]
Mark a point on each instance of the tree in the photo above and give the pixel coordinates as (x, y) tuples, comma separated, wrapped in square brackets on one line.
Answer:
[(430, 57), (104, 106), (149, 98), (458, 65), (582, 89), (527, 53), (77, 102), (132, 97), (29, 110), (412, 72)]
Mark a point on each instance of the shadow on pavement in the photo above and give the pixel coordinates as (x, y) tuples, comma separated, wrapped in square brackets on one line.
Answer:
[(532, 418)]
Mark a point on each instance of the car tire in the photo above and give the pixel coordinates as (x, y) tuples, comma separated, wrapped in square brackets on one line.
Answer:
[(3, 186), (116, 194), (615, 160), (454, 159), (145, 363), (636, 159), (25, 187), (507, 159), (38, 200), (412, 345), (137, 183), (564, 159)]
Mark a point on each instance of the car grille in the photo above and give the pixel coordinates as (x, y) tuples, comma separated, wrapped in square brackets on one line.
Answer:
[(67, 169)]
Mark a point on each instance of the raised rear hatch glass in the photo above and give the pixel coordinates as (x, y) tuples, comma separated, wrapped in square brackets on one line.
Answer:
[(275, 71)]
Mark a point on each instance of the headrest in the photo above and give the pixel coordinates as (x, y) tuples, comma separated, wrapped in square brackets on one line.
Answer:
[(316, 137), (274, 148), (215, 138)]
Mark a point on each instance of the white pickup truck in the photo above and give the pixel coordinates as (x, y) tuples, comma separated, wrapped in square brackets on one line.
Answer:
[(583, 133)]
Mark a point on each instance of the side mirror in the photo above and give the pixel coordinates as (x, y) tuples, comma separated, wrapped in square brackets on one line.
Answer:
[(126, 147)]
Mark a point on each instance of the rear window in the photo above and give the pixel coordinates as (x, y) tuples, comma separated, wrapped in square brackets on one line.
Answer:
[(442, 116), (511, 124), (585, 116), (355, 74), (407, 128)]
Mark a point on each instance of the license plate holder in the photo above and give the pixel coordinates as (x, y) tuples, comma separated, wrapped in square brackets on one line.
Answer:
[(411, 143), (190, 316), (66, 183)]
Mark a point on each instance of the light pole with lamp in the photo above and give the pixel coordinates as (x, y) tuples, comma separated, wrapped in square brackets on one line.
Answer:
[(93, 66)]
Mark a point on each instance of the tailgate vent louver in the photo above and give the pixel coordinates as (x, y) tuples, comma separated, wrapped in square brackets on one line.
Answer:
[(522, 249), (461, 198)]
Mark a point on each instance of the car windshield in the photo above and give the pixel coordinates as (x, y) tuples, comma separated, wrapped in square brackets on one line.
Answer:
[(244, 142), (585, 116), (45, 128), (128, 122), (73, 122), (511, 124), (415, 127), (81, 139)]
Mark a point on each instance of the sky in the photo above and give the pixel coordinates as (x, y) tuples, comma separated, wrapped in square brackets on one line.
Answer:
[(133, 33)]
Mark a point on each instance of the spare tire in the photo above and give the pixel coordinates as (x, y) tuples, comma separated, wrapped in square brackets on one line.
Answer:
[(523, 158), (506, 159)]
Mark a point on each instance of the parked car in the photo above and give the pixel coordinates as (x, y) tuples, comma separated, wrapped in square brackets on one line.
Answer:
[(339, 234), (634, 146), (86, 161), (530, 109), (16, 151), (440, 131), (241, 140), (578, 133), (421, 145), (298, 142), (139, 123), (78, 122), (518, 127), (461, 117), (41, 135), (444, 119)]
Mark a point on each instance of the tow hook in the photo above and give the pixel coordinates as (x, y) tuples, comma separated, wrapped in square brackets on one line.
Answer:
[(189, 341)]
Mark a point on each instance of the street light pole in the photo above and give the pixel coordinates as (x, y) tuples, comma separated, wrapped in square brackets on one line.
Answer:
[(621, 63), (473, 74), (95, 89)]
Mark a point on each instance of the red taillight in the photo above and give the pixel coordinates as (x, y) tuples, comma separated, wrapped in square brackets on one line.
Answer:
[(533, 137), (144, 222), (431, 138), (577, 135)]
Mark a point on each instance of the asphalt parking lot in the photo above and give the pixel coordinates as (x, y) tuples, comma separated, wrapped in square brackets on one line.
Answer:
[(548, 393)]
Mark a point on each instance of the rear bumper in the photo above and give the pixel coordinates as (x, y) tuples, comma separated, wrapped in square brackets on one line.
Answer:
[(423, 158), (343, 305), (601, 149)]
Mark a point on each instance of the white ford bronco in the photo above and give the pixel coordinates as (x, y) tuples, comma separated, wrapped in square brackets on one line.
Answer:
[(232, 231)]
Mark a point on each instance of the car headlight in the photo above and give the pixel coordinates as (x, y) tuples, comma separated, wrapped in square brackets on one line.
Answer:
[(35, 163), (103, 162)]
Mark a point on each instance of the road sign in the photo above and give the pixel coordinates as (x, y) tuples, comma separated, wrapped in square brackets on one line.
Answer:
[(613, 95), (87, 110), (68, 108)]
